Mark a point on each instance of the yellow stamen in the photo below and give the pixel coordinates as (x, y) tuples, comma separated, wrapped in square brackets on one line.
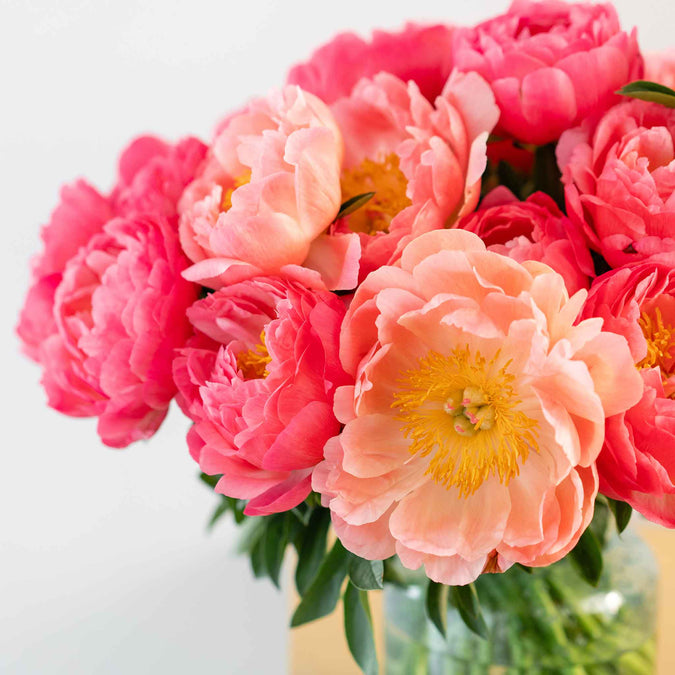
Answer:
[(389, 184), (489, 436), (253, 362), (240, 180), (660, 343)]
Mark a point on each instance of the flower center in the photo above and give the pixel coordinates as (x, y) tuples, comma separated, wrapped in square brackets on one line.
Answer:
[(660, 343), (242, 179), (462, 410), (253, 362), (388, 183)]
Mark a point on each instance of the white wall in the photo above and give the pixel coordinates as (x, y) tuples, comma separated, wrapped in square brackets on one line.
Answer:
[(105, 566)]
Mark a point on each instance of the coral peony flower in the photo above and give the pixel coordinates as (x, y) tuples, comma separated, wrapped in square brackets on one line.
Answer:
[(270, 186), (107, 303), (619, 181), (477, 414), (535, 229), (423, 163), (258, 381), (637, 462), (418, 53), (550, 64), (660, 67)]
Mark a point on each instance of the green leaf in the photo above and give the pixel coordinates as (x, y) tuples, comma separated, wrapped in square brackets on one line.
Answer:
[(258, 558), (312, 549), (437, 605), (465, 600), (220, 511), (209, 480), (324, 592), (587, 557), (250, 534), (354, 203), (622, 513), (366, 575), (359, 629), (649, 91), (276, 540)]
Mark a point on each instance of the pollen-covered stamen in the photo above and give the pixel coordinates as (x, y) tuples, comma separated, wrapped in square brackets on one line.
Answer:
[(463, 412), (660, 343), (389, 184), (242, 179), (253, 362)]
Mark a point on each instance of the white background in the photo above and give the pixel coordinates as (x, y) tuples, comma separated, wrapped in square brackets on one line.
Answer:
[(105, 564)]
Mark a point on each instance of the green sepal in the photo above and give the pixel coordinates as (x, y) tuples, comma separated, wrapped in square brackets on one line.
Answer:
[(322, 595), (465, 601), (649, 91), (359, 629), (366, 575), (437, 605), (354, 203), (587, 557)]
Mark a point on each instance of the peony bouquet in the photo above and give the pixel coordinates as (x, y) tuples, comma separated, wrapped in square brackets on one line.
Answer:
[(418, 304)]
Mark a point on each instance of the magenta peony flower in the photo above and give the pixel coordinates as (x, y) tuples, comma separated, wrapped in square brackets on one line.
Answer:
[(107, 303), (423, 162), (270, 186), (477, 415), (619, 179), (258, 381), (535, 229), (550, 64), (637, 463), (660, 67), (418, 52)]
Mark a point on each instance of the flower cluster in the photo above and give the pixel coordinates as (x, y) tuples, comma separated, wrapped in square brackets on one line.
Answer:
[(431, 279)]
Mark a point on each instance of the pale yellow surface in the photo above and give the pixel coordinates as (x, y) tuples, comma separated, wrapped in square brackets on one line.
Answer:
[(319, 648)]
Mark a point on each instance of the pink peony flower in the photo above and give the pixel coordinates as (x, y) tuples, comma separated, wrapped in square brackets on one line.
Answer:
[(270, 186), (550, 64), (619, 179), (477, 415), (418, 53), (258, 381), (637, 462), (660, 67), (423, 162), (535, 229), (107, 303)]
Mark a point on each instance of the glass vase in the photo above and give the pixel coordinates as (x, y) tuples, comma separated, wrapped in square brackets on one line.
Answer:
[(549, 620)]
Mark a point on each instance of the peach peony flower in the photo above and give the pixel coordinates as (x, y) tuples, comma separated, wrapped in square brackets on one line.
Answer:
[(550, 64), (535, 229), (477, 413), (258, 381), (423, 162), (107, 303), (637, 463), (417, 52), (660, 67), (619, 179), (270, 186)]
